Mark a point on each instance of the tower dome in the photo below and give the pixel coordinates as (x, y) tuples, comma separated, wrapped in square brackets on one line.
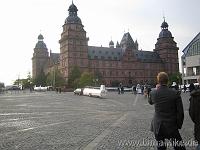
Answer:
[(40, 44), (72, 8), (165, 33), (40, 37), (164, 25), (73, 18)]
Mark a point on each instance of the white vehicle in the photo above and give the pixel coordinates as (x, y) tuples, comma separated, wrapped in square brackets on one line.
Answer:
[(91, 91), (40, 89)]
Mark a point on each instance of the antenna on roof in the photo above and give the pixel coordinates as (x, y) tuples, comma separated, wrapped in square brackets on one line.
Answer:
[(164, 15)]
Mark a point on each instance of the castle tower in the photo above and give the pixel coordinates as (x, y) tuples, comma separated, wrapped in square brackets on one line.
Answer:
[(40, 57), (111, 44), (73, 44), (127, 42), (167, 49)]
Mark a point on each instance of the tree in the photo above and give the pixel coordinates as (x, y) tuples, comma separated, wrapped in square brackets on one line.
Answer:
[(115, 83), (176, 77), (25, 83), (40, 80), (55, 79), (98, 78), (74, 76), (86, 79), (1, 86), (49, 79), (59, 79)]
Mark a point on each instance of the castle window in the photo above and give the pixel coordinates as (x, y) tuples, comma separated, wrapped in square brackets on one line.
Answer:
[(95, 57), (102, 57), (103, 73), (93, 51)]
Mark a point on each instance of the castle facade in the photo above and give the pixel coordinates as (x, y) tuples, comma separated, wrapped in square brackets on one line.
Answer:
[(122, 62)]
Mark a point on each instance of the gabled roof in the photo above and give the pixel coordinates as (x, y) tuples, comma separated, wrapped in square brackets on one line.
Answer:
[(55, 58), (104, 53), (127, 40), (185, 50)]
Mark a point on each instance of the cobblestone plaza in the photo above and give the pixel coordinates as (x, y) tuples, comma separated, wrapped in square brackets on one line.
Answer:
[(51, 121)]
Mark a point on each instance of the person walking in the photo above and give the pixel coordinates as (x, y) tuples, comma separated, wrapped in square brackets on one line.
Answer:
[(169, 115), (191, 87), (184, 88), (148, 91), (194, 112)]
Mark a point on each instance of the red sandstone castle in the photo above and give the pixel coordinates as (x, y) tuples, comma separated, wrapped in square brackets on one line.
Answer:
[(123, 62)]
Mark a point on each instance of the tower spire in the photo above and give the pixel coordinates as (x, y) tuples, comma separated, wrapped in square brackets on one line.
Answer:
[(164, 16)]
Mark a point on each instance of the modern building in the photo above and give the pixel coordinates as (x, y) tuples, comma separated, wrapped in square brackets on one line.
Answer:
[(122, 62), (191, 61)]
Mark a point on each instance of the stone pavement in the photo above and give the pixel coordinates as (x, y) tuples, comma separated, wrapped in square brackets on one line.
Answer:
[(51, 121)]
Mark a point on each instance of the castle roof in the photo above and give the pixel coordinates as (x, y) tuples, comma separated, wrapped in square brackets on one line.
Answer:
[(104, 53), (147, 56), (55, 58), (127, 40), (165, 33), (73, 17), (40, 44)]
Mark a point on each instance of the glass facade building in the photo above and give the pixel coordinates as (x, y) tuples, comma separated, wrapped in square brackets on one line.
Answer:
[(191, 61)]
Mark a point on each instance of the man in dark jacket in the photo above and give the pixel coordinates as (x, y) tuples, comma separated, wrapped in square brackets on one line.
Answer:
[(194, 111), (169, 114)]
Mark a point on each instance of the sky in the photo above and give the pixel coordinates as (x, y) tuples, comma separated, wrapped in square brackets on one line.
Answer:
[(23, 20)]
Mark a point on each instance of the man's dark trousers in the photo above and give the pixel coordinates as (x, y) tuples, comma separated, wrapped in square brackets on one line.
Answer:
[(174, 137)]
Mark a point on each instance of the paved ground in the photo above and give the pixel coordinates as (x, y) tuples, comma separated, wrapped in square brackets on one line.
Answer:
[(50, 121)]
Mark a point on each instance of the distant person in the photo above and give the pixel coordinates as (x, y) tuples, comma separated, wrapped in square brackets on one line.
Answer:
[(191, 87), (184, 88), (148, 91), (134, 89), (122, 90), (119, 88), (169, 115), (194, 112), (174, 86), (142, 89)]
